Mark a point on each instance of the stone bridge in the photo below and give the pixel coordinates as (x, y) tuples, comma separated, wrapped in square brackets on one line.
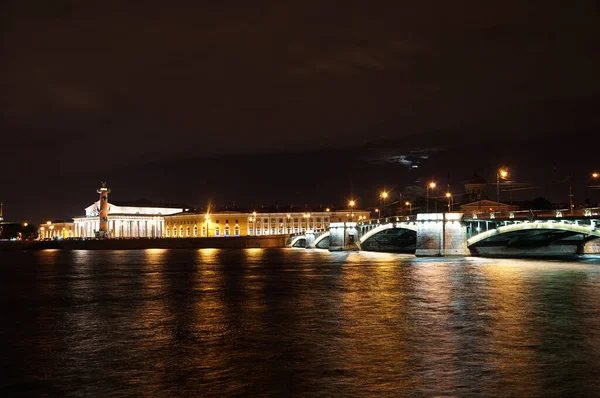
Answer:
[(459, 234)]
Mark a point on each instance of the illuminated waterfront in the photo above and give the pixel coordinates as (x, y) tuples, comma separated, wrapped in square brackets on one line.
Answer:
[(277, 321)]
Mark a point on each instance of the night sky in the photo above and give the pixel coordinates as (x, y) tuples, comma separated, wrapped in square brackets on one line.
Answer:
[(177, 101)]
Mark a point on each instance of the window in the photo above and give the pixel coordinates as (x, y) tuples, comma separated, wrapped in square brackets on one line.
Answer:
[(217, 231), (195, 231), (204, 230), (318, 219), (217, 221), (167, 232), (226, 230), (226, 221), (236, 221), (187, 232), (236, 231), (181, 231), (296, 219)]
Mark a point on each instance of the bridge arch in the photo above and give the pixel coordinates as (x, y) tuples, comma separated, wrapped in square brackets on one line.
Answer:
[(320, 239), (296, 241), (383, 227), (536, 228), (398, 237)]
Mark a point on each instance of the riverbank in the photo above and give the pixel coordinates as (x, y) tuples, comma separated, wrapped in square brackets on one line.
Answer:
[(240, 242)]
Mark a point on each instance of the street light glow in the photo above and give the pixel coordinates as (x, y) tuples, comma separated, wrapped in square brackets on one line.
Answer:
[(384, 194), (448, 194), (352, 203), (595, 175), (432, 185)]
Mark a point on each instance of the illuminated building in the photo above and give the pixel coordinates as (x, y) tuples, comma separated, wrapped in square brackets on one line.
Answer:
[(254, 223), (141, 219), (56, 230)]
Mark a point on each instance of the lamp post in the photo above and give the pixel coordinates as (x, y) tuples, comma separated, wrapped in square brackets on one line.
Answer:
[(409, 207), (449, 196), (207, 221), (429, 186), (595, 176), (500, 173), (382, 197), (351, 205)]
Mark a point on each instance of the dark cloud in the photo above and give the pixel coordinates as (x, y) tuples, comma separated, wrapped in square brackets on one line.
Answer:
[(192, 78)]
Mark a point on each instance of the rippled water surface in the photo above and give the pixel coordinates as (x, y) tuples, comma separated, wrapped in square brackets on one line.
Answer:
[(296, 322)]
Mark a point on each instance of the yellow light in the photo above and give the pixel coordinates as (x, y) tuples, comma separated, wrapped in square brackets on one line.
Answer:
[(376, 210), (352, 203), (48, 222), (432, 185), (448, 194), (503, 173), (327, 209), (207, 216), (25, 224), (595, 175), (384, 194), (406, 203)]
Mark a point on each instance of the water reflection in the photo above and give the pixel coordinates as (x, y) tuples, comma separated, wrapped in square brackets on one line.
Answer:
[(279, 322)]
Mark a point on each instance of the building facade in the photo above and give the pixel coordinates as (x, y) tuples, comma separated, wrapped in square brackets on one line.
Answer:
[(140, 219), (56, 230), (237, 223)]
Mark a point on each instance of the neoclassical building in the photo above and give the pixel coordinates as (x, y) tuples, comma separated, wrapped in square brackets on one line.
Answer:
[(192, 224), (144, 219), (141, 219)]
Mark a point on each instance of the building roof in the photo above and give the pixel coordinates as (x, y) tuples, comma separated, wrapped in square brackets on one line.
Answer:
[(148, 203)]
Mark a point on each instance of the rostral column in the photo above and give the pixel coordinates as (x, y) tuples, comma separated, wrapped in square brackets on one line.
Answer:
[(103, 231)]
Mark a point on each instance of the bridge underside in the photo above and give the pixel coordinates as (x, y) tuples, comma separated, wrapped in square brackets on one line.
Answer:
[(396, 240), (536, 242)]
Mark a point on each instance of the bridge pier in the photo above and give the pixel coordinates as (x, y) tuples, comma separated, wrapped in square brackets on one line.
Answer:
[(590, 247), (441, 234), (310, 239), (343, 236)]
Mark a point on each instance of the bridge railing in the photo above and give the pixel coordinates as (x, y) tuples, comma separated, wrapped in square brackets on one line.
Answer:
[(388, 220), (527, 214)]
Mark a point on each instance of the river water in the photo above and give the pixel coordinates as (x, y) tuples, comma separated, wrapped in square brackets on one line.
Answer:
[(274, 322)]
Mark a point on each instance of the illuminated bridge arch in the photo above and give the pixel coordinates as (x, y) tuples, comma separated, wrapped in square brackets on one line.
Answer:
[(537, 232), (296, 241), (322, 241), (383, 227), (391, 237)]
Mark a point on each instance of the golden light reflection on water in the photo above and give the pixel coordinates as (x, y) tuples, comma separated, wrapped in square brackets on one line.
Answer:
[(511, 338), (374, 320), (273, 322)]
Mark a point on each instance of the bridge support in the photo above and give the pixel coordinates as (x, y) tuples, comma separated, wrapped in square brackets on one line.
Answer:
[(311, 237), (343, 236), (590, 247), (441, 234)]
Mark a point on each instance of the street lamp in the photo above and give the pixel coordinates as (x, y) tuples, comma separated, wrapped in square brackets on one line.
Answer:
[(382, 197), (351, 205), (409, 207), (500, 173), (431, 185), (449, 196)]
